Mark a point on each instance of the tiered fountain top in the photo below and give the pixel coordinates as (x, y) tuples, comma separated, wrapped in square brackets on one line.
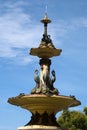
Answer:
[(46, 48)]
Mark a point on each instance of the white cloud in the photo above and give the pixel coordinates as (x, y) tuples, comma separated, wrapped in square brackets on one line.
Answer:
[(17, 31)]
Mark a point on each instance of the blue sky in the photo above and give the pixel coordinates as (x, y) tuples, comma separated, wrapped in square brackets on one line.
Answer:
[(20, 30)]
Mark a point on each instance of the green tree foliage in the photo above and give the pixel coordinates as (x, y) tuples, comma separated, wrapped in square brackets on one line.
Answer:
[(73, 120), (85, 110)]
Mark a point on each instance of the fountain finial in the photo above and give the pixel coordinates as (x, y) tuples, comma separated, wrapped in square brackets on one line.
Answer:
[(45, 21)]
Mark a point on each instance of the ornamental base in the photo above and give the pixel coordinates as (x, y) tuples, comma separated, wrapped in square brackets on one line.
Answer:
[(39, 127)]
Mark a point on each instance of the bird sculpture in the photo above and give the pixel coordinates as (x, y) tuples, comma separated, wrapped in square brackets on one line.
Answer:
[(37, 88), (36, 78), (53, 77)]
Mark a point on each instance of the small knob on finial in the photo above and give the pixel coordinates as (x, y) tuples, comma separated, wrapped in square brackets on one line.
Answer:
[(46, 20)]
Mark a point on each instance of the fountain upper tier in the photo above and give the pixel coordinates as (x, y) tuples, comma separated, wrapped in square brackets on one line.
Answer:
[(46, 48)]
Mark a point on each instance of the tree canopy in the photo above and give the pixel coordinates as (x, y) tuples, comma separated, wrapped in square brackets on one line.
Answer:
[(73, 120)]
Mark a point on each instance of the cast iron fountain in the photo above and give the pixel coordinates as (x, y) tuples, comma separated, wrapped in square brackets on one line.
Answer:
[(44, 100)]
